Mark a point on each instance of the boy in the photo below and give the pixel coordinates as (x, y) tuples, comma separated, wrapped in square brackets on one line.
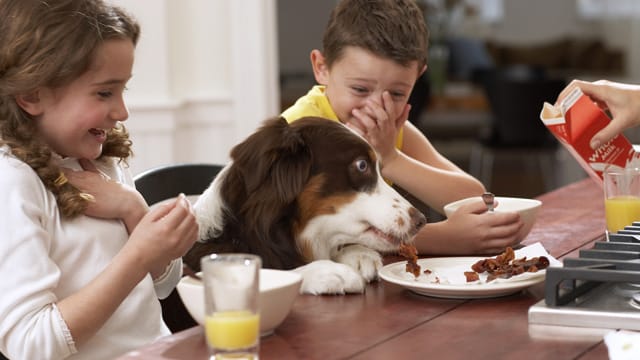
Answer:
[(373, 53)]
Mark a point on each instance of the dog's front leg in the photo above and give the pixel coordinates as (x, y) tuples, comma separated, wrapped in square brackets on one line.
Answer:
[(329, 277), (362, 259)]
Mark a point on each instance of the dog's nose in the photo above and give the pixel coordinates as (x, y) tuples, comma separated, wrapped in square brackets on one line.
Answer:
[(418, 220)]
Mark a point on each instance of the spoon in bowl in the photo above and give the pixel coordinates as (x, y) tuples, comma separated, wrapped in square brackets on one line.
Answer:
[(488, 199)]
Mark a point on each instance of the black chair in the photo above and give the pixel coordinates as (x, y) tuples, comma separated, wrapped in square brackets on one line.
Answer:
[(163, 183), (516, 96)]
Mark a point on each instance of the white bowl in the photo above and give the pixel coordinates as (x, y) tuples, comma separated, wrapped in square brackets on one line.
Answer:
[(278, 291), (527, 208)]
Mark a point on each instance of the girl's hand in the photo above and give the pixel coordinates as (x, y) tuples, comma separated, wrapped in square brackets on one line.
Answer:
[(165, 233), (478, 231), (112, 200), (379, 124)]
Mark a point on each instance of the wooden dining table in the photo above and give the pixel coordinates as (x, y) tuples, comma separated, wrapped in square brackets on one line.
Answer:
[(391, 322)]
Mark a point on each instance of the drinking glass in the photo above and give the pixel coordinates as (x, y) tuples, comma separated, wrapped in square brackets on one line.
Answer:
[(621, 197), (232, 317)]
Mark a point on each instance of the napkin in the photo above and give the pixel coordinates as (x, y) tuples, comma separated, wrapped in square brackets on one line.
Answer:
[(623, 345)]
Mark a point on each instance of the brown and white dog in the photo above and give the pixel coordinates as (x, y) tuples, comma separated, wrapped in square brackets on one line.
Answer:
[(306, 196)]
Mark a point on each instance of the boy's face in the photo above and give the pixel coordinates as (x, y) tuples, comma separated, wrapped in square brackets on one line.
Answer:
[(360, 76)]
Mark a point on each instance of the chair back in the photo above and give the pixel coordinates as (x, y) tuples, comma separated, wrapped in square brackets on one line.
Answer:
[(169, 181), (516, 97)]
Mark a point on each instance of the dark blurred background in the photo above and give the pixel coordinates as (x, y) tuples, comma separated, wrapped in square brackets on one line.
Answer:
[(492, 65)]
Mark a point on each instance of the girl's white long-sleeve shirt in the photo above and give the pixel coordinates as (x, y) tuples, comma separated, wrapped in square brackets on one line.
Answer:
[(44, 257)]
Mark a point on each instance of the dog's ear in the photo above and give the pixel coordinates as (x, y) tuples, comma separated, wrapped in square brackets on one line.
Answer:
[(275, 157), (291, 165), (273, 164)]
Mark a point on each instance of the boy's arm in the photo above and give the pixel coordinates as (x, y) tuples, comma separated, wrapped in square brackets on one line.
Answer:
[(422, 171), (470, 231)]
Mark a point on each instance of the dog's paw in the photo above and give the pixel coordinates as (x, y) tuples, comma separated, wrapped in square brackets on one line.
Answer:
[(329, 277), (365, 261)]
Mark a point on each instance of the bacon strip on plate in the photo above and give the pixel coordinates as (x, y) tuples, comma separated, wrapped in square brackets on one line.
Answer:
[(506, 265)]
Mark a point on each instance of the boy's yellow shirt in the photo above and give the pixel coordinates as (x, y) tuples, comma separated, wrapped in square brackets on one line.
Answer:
[(315, 103)]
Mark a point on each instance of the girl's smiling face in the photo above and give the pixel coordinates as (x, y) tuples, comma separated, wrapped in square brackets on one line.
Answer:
[(359, 75), (74, 119)]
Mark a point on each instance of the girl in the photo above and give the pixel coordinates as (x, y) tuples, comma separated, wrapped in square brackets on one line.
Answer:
[(83, 260)]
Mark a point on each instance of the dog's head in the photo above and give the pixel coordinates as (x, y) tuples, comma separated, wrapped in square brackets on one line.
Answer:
[(295, 192)]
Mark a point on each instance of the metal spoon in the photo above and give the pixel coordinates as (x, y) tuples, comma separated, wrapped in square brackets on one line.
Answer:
[(488, 200)]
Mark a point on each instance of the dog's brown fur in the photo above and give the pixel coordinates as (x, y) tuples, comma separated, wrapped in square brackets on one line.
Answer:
[(281, 177)]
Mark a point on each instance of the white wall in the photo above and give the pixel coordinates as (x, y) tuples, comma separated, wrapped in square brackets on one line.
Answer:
[(205, 77)]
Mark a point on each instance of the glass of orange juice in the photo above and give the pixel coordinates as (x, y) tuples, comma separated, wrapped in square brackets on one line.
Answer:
[(232, 318), (621, 197)]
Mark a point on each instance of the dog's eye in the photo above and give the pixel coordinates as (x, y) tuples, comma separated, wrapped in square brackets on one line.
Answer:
[(362, 165)]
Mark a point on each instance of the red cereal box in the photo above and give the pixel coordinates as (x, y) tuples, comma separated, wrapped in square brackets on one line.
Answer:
[(574, 122)]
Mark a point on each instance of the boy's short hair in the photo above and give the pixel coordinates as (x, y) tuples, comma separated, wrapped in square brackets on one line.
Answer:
[(392, 29)]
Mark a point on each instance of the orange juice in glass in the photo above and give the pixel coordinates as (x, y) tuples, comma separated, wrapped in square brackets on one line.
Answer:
[(621, 197), (231, 330), (621, 211), (232, 319)]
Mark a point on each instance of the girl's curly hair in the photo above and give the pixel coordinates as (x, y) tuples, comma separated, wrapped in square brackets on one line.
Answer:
[(50, 43)]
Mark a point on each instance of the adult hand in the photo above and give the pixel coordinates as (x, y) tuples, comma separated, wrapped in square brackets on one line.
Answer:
[(622, 101)]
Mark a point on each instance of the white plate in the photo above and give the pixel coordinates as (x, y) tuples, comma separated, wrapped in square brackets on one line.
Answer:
[(457, 287)]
